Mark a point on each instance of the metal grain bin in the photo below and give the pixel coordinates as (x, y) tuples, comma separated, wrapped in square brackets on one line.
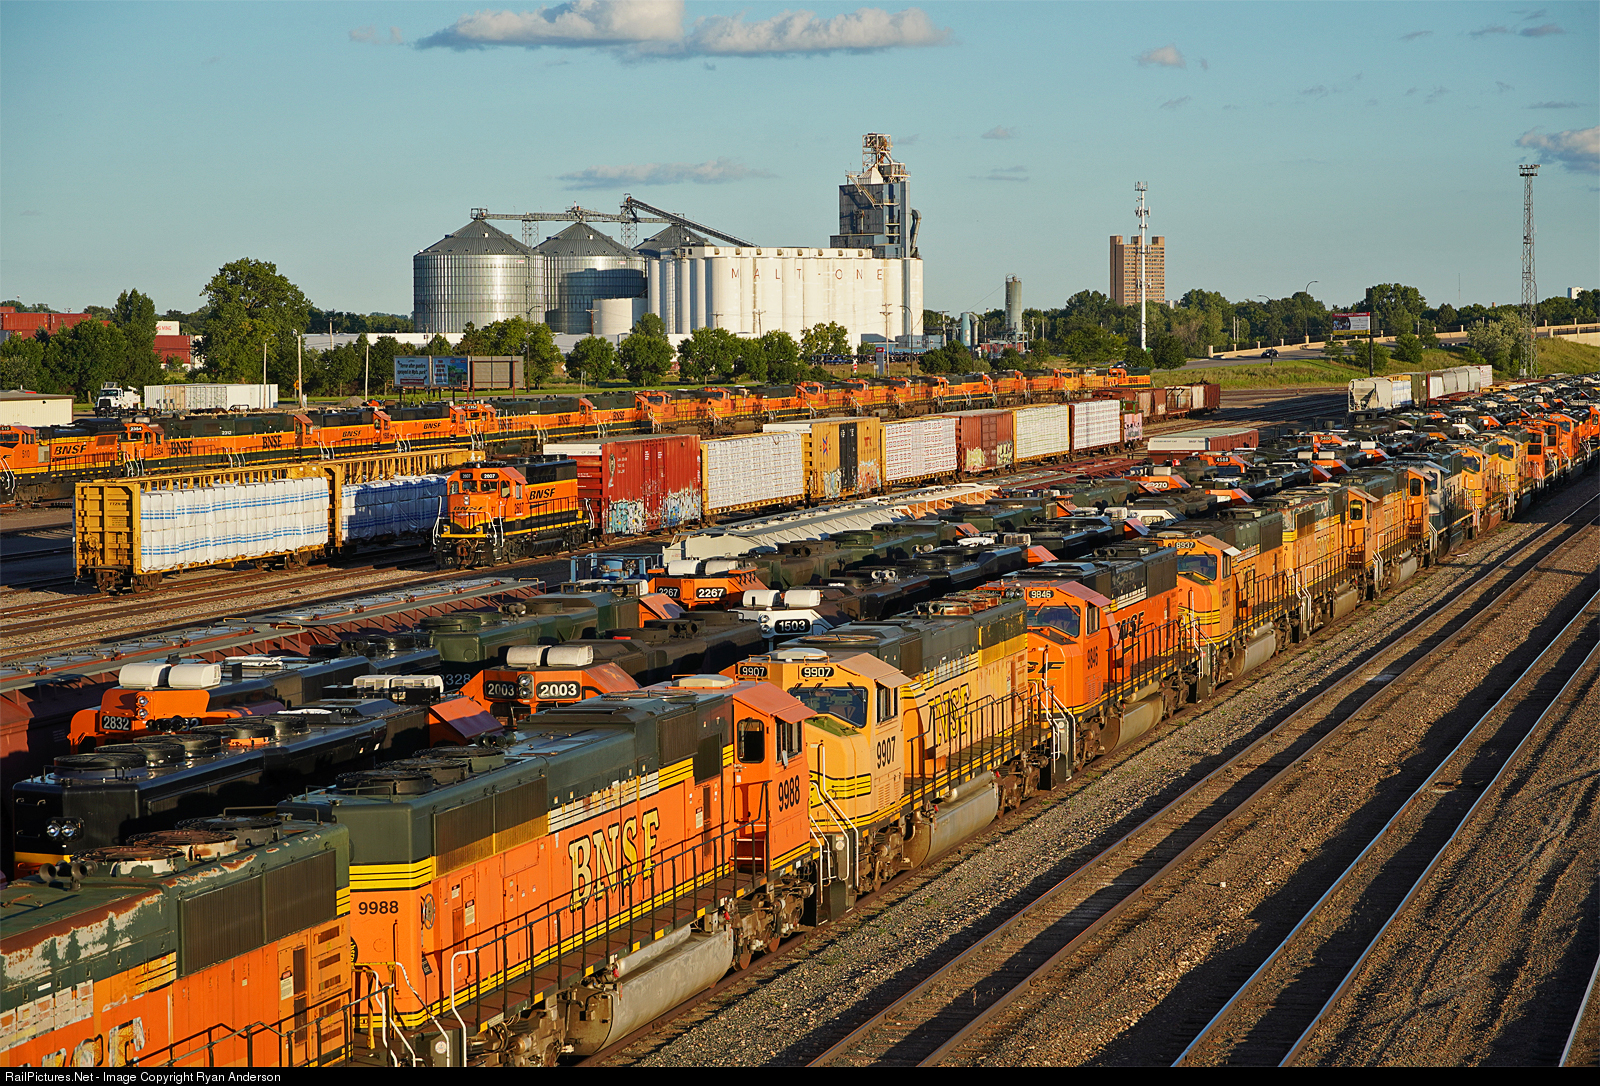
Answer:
[(636, 485), (477, 274), (582, 266)]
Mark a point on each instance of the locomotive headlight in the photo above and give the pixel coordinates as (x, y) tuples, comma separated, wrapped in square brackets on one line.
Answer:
[(70, 828), (142, 713), (524, 686), (53, 829), (141, 701)]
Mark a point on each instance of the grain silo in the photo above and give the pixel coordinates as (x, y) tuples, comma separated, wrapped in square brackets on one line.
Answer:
[(477, 274), (582, 265)]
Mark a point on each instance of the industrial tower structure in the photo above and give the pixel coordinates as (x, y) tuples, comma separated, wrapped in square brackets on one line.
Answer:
[(1144, 247), (875, 204), (1530, 288)]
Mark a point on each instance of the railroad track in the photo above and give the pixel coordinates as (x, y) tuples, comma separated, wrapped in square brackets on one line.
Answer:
[(1545, 706), (957, 1012)]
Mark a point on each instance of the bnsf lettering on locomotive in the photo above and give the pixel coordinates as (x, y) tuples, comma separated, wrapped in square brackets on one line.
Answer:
[(557, 690), (612, 857), (709, 593), (816, 673)]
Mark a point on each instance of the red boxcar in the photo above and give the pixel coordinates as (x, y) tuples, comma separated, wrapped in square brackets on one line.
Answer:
[(984, 440), (636, 485)]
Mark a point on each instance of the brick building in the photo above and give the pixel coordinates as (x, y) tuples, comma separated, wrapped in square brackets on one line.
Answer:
[(1125, 271)]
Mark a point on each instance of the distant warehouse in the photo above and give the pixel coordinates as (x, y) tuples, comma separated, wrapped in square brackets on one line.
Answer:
[(22, 408)]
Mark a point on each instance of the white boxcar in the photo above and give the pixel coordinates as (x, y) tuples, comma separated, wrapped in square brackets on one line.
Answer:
[(210, 397), (753, 471), (207, 525), (1096, 424), (922, 448), (1042, 431), (399, 506), (1485, 376)]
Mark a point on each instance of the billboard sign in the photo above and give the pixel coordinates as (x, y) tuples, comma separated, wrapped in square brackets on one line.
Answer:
[(411, 371), (1352, 322), (449, 373)]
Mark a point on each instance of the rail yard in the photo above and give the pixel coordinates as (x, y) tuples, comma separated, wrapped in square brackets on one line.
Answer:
[(1024, 718)]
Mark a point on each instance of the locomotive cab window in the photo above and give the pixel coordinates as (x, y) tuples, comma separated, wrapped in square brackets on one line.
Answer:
[(455, 486), (888, 704), (1416, 488), (752, 741), (1199, 565), (848, 703), (1355, 510), (1064, 619), (1093, 625)]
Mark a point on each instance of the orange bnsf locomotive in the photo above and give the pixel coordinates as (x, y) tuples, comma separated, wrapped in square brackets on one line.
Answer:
[(498, 511)]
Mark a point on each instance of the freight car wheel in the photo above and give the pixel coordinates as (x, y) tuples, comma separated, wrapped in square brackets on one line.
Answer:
[(107, 581)]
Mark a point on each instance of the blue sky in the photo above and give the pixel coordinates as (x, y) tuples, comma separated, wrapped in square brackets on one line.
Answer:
[(1349, 143)]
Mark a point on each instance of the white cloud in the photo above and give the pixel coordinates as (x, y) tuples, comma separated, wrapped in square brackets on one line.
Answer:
[(1167, 57), (369, 35), (1008, 173), (1577, 149), (862, 31), (1541, 31), (656, 28), (1000, 133), (1175, 103), (717, 172)]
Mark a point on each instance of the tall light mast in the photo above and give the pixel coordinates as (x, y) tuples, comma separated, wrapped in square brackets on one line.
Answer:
[(1530, 289), (1144, 227)]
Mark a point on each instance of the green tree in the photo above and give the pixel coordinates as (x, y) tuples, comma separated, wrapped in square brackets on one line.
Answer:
[(1372, 355), (708, 354), (1091, 345), (1137, 356), (830, 338), (84, 357), (783, 357), (592, 359), (542, 356), (1408, 349), (1169, 353), (438, 346), (135, 315), (646, 356), (1396, 305), (22, 365), (247, 304), (1333, 351), (1446, 318), (1500, 341), (1469, 357)]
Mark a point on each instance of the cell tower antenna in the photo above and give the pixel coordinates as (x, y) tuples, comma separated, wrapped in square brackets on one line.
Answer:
[(1530, 288), (1144, 242)]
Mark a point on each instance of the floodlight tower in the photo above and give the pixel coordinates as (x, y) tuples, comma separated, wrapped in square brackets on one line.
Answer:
[(1144, 243), (1530, 289)]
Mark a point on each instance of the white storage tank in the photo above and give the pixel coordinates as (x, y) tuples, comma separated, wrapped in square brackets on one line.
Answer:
[(477, 274)]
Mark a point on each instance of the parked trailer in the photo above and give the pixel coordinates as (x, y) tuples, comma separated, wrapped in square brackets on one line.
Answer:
[(637, 485), (985, 440), (752, 472), (843, 457), (1376, 395), (129, 532), (919, 448), (1207, 439)]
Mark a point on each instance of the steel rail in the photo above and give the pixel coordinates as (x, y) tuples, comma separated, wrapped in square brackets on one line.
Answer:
[(1195, 790), (1438, 857), (1583, 1011), (1377, 839)]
